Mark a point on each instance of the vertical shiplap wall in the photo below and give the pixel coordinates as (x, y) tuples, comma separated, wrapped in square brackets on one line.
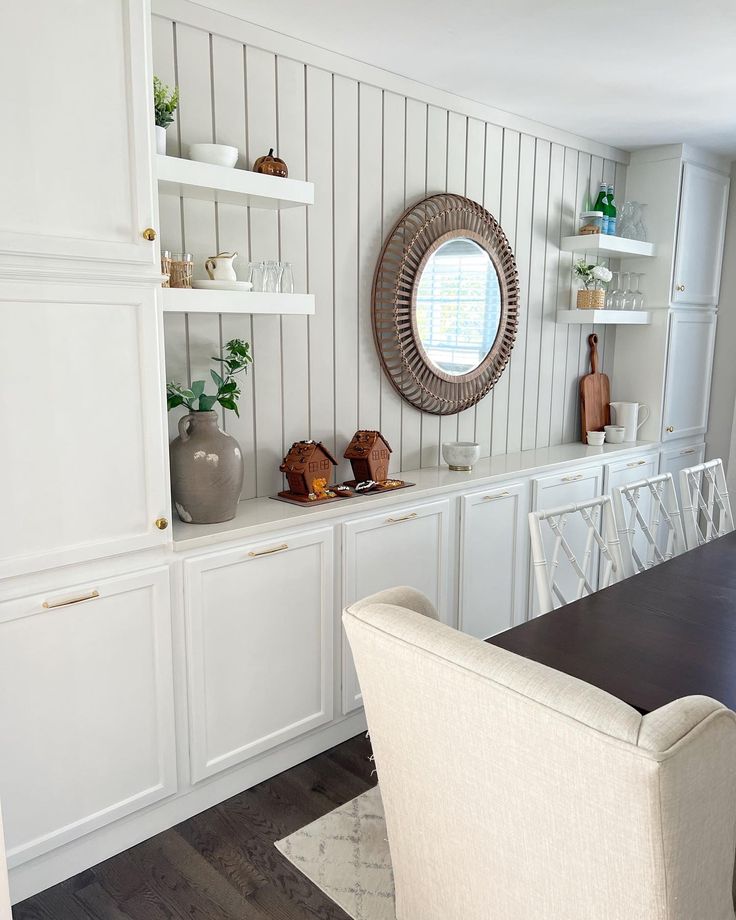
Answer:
[(370, 152)]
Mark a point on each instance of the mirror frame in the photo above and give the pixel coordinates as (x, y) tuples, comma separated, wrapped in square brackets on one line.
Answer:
[(418, 233)]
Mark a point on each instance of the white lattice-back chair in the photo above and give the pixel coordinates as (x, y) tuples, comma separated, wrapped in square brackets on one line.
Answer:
[(648, 522), (706, 510), (600, 535)]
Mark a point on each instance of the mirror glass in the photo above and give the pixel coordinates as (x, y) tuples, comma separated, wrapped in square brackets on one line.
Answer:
[(458, 306)]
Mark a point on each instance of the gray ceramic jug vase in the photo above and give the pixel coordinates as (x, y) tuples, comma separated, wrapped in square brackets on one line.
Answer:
[(206, 470)]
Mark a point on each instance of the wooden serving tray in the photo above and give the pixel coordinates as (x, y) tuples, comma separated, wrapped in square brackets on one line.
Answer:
[(293, 499), (377, 490)]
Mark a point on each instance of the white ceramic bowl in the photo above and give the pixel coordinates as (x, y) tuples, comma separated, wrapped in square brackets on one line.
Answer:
[(461, 455), (217, 154), (614, 434), (596, 438)]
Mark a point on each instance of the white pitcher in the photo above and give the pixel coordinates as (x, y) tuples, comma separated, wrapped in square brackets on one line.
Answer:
[(220, 267), (627, 415)]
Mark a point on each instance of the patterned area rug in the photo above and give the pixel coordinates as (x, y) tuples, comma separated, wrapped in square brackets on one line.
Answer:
[(346, 854)]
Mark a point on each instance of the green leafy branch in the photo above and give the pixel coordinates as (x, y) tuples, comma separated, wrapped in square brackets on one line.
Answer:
[(165, 103), (235, 361)]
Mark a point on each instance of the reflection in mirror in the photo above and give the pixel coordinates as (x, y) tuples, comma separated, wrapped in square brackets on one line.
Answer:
[(458, 306)]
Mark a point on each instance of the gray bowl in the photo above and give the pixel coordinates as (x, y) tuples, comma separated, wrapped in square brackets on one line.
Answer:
[(460, 456)]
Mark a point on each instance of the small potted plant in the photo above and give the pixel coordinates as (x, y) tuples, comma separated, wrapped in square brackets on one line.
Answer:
[(592, 295), (165, 103), (206, 462)]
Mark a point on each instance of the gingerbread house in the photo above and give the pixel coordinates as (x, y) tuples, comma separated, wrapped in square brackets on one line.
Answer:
[(369, 455), (305, 462)]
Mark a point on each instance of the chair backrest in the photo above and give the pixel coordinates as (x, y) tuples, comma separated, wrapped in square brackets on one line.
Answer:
[(648, 522), (512, 790), (554, 555), (706, 509)]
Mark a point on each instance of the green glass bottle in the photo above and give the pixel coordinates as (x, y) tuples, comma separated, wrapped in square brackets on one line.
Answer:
[(610, 213), (601, 204)]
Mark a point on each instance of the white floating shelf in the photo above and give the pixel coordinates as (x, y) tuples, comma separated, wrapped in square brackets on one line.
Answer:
[(613, 247), (184, 300), (605, 317), (190, 179)]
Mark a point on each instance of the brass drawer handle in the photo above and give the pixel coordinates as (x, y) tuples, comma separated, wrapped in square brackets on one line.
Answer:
[(406, 517), (680, 287), (636, 463), (670, 428), (572, 478), (688, 450), (50, 605), (490, 498), (267, 552)]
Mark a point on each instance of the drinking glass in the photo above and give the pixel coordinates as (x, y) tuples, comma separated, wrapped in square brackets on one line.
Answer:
[(638, 296), (181, 270), (255, 275), (627, 302), (272, 277), (613, 293), (287, 278)]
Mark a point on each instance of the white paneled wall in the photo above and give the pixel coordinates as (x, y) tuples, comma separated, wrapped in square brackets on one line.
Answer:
[(370, 152)]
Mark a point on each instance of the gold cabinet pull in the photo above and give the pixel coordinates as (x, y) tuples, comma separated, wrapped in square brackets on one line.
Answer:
[(636, 463), (688, 450), (67, 602), (161, 523), (268, 552), (495, 495), (149, 234), (680, 287), (406, 517), (572, 478), (670, 428)]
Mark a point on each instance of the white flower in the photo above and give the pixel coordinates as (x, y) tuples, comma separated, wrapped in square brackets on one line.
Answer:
[(601, 273)]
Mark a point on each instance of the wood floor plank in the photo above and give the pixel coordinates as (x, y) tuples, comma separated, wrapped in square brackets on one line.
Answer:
[(220, 864)]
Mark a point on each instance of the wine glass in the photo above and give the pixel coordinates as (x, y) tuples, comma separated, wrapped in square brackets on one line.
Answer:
[(638, 296), (627, 298), (613, 293)]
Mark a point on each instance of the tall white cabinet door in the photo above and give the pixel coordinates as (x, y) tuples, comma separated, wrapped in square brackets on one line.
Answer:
[(81, 396), (701, 229), (260, 638), (689, 367), (76, 164), (86, 708), (494, 544), (408, 546), (567, 488)]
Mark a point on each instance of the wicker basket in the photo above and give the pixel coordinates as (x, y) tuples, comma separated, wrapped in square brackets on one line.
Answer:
[(591, 300)]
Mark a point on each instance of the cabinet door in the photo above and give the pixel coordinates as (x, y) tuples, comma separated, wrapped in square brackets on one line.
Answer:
[(82, 406), (493, 559), (623, 473), (78, 172), (408, 546), (701, 229), (567, 488), (675, 459), (260, 627), (687, 380), (86, 708)]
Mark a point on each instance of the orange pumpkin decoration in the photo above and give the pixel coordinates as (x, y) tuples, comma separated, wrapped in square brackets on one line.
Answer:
[(271, 165)]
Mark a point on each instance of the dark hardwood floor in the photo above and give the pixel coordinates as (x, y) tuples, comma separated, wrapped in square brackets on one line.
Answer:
[(221, 864)]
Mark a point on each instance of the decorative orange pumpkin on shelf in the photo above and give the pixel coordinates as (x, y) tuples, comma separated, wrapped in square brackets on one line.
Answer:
[(271, 165)]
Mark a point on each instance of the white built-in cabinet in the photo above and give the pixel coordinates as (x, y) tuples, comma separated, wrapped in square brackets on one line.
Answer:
[(259, 623), (77, 153), (493, 559), (701, 228), (84, 436), (86, 707), (406, 546), (692, 336)]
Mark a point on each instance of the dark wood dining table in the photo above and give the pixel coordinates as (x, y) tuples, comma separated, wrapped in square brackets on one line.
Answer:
[(650, 639)]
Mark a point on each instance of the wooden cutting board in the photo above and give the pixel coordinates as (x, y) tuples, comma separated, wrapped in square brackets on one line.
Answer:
[(595, 395)]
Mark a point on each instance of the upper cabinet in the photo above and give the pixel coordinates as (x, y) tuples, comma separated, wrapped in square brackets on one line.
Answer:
[(79, 169), (701, 228)]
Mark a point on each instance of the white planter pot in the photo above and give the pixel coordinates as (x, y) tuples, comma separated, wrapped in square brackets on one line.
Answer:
[(160, 140)]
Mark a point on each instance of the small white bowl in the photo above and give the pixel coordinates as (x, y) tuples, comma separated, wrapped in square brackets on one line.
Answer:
[(461, 455), (614, 434), (596, 438), (217, 154)]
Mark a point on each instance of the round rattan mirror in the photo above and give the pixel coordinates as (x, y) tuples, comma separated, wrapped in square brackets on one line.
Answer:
[(445, 304)]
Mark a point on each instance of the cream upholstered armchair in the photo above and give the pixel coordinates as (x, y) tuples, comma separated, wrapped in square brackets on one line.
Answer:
[(515, 792)]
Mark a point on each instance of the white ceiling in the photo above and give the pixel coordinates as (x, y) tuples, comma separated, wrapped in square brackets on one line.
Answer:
[(630, 73)]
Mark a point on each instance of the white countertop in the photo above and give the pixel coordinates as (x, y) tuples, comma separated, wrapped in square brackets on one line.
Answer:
[(264, 515)]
